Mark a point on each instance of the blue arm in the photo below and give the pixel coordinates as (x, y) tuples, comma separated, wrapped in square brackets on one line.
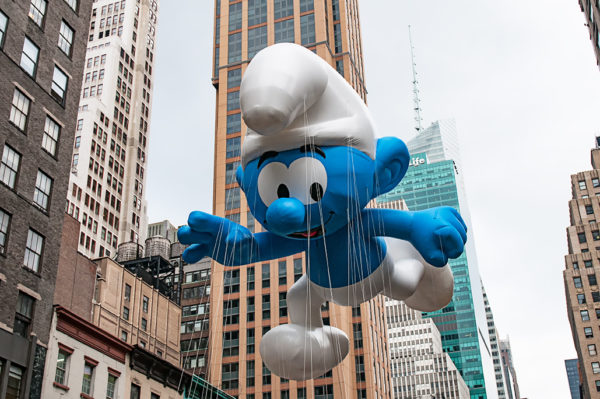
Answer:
[(230, 243), (437, 233)]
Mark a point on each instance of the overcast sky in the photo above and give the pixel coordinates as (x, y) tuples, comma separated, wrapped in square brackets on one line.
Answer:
[(520, 79)]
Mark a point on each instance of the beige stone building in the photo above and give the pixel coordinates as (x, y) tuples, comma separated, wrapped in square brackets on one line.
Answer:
[(129, 308), (582, 268), (247, 301)]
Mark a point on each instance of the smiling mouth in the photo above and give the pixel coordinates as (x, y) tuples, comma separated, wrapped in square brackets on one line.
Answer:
[(314, 232)]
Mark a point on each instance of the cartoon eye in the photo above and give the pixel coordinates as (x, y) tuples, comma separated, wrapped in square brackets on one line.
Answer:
[(272, 183), (307, 180)]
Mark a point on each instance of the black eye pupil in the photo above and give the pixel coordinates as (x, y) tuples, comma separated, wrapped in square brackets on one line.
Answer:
[(316, 191), (282, 191)]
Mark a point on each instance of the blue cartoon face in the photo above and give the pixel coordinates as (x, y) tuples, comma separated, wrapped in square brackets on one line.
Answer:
[(310, 191)]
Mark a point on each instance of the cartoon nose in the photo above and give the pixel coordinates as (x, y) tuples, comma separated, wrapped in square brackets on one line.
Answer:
[(286, 216)]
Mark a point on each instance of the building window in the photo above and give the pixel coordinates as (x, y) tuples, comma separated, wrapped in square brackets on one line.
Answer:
[(282, 272), (307, 29), (123, 335), (297, 269), (234, 48), (284, 31), (266, 375), (19, 110), (582, 185), (9, 166), (230, 376), (135, 392), (111, 386), (43, 187), (37, 10), (361, 393), (266, 307), (324, 392), (358, 336), (29, 57), (231, 343), (61, 367), (231, 281), (127, 292), (250, 278), (50, 137), (65, 38), (585, 316), (15, 382), (250, 373), (233, 98), (283, 304), (88, 375), (4, 224), (257, 40), (592, 279), (257, 12), (235, 16), (72, 4), (23, 314), (145, 302), (596, 367), (359, 363), (307, 5), (595, 296), (581, 299), (59, 85), (3, 24), (144, 324), (337, 36), (231, 311), (588, 332), (577, 282), (230, 170), (589, 210), (595, 182), (232, 198), (588, 263), (33, 250), (233, 147), (592, 349), (234, 77), (234, 123), (283, 8), (266, 275), (301, 393), (125, 312)]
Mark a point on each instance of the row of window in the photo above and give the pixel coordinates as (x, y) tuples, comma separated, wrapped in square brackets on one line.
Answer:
[(89, 372)]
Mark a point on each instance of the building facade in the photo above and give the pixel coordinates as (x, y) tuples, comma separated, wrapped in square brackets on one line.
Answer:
[(510, 376), (591, 10), (581, 268), (420, 368), (42, 49), (128, 307), (247, 301), (499, 369), (436, 180), (106, 192), (572, 368)]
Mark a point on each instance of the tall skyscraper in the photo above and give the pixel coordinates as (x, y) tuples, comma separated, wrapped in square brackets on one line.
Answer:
[(572, 368), (580, 274), (42, 47), (591, 10), (510, 376), (107, 181), (499, 372), (247, 301), (420, 368), (435, 179)]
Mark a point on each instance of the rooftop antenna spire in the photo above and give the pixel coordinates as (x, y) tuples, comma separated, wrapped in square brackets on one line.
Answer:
[(416, 100)]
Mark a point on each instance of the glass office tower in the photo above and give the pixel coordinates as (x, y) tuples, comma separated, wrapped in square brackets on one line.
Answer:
[(434, 179)]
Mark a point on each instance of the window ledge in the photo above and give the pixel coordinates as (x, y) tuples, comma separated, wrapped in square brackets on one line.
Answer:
[(85, 396), (60, 386)]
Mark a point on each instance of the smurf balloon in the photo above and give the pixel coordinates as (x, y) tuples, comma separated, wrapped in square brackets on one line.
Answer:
[(311, 163)]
